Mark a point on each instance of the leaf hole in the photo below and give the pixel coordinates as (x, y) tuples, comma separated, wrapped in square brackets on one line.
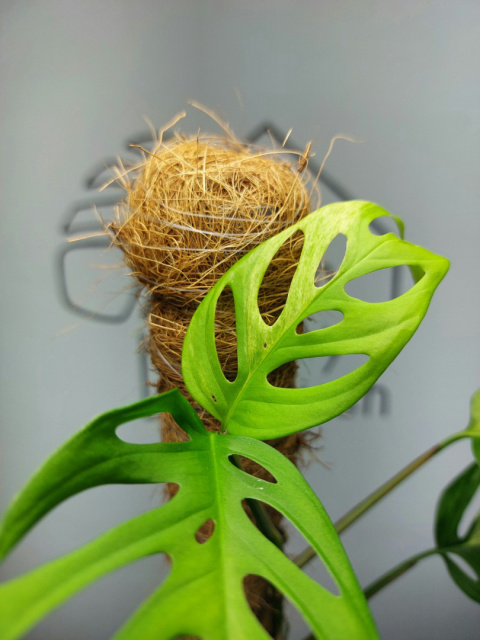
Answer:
[(295, 542), (464, 566), (265, 601), (205, 531), (252, 468), (273, 292), (320, 320), (382, 285), (171, 428), (214, 398), (141, 431), (147, 431), (171, 490), (325, 369), (284, 375), (383, 225), (249, 508), (331, 260), (226, 334)]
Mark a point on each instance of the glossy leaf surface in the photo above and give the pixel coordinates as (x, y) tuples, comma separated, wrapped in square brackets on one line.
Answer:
[(203, 595), (250, 405), (453, 503)]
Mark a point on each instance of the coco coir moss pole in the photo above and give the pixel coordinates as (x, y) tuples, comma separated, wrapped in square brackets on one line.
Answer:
[(192, 209)]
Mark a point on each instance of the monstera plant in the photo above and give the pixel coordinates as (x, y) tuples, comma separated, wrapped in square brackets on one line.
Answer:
[(203, 596)]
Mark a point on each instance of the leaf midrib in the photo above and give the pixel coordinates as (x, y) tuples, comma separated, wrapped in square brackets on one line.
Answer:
[(219, 524)]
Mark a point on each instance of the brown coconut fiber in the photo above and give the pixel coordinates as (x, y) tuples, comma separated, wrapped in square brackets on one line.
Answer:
[(193, 207)]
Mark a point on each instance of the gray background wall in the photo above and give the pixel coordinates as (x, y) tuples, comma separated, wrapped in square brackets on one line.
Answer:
[(76, 79)]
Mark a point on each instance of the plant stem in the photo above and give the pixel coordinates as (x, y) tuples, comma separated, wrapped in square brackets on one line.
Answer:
[(362, 507), (366, 504), (259, 512), (396, 572)]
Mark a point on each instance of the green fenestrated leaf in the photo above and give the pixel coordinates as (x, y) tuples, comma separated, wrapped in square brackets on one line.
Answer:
[(453, 503), (250, 405), (203, 595), (96, 456)]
